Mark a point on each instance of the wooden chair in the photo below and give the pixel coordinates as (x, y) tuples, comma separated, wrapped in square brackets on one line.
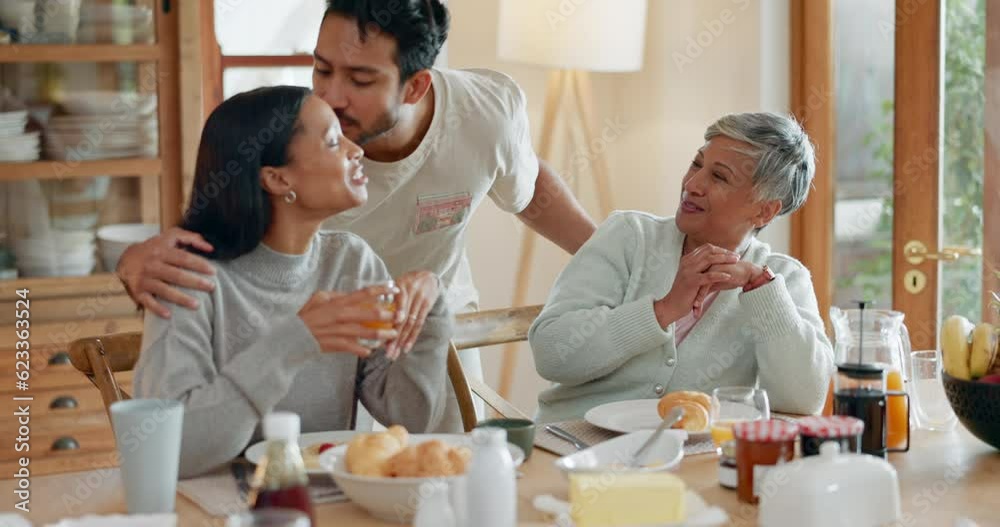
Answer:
[(99, 358), (480, 329)]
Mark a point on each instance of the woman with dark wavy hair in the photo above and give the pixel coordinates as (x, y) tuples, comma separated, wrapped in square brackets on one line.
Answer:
[(283, 327)]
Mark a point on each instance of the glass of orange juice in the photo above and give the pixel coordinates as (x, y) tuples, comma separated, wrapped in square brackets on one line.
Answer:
[(386, 302), (735, 404)]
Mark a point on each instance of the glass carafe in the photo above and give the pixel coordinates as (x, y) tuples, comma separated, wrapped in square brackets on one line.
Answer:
[(880, 338)]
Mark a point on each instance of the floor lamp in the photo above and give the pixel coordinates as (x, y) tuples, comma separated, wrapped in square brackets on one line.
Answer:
[(572, 39)]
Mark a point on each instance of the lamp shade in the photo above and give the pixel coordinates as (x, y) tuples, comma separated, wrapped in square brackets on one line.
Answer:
[(591, 35)]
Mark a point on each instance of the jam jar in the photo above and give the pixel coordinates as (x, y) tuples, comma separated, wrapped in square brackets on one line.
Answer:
[(844, 430), (760, 445), (727, 465)]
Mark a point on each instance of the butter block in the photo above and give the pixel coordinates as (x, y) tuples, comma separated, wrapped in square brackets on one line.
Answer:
[(619, 499)]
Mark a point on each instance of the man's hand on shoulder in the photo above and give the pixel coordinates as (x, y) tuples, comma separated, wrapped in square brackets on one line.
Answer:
[(154, 269)]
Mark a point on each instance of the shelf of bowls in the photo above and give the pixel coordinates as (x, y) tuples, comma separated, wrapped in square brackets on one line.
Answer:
[(47, 244), (74, 21), (57, 230)]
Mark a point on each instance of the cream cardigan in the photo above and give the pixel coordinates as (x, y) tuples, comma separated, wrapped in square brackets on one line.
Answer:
[(598, 339)]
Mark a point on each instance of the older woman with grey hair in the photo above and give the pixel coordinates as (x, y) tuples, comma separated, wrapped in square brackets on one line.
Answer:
[(651, 305)]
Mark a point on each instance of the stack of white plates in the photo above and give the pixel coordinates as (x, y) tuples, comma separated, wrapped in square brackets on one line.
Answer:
[(61, 253), (103, 125), (15, 144), (116, 24)]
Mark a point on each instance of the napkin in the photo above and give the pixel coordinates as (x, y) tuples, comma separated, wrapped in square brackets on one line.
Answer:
[(120, 520), (699, 513), (219, 495), (593, 435)]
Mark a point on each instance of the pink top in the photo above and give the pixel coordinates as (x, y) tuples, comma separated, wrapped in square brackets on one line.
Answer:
[(686, 323)]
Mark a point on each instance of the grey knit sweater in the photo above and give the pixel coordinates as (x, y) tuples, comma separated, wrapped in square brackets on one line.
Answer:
[(245, 352), (598, 339)]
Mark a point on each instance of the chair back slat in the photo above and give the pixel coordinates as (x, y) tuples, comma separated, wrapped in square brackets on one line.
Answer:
[(99, 358), (497, 326), (482, 329), (121, 351)]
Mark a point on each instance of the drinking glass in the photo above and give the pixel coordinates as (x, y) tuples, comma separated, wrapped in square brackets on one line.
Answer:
[(930, 404), (734, 404), (148, 437), (386, 302)]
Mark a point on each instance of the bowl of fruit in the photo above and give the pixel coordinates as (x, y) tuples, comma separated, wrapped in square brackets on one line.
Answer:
[(971, 376)]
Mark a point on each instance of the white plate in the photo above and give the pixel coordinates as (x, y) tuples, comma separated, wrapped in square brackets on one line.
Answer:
[(630, 416), (257, 451), (614, 454)]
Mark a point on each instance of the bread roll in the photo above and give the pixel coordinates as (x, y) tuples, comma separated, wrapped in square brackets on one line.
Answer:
[(366, 453), (428, 459), (405, 464), (697, 409)]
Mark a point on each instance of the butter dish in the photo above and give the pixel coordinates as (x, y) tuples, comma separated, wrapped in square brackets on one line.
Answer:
[(699, 513), (613, 455)]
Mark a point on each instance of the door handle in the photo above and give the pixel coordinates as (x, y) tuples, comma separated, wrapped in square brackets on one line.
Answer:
[(916, 252)]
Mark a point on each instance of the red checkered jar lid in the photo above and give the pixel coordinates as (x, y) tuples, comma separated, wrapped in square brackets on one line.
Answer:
[(770, 431), (832, 426)]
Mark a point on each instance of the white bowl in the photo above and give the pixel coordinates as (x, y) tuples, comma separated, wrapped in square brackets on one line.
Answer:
[(56, 269), (53, 256), (114, 239), (117, 14), (119, 24), (395, 499), (111, 103), (43, 247), (613, 455)]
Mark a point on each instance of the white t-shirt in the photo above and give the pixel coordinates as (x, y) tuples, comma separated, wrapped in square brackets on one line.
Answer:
[(418, 210)]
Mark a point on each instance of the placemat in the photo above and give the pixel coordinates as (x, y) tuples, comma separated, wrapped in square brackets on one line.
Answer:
[(593, 435), (219, 494)]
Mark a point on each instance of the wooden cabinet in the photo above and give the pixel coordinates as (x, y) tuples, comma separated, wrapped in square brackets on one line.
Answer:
[(69, 428)]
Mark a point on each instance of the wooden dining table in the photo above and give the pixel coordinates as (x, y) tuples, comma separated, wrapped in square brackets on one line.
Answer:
[(944, 476)]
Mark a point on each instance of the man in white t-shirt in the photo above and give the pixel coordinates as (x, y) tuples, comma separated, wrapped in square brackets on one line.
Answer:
[(436, 141)]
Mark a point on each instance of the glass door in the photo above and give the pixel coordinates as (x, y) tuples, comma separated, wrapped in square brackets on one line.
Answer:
[(916, 172)]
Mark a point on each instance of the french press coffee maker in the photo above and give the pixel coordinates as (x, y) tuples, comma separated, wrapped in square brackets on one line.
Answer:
[(860, 391)]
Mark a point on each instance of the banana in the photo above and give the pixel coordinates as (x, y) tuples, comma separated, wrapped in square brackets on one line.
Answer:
[(955, 346), (984, 349)]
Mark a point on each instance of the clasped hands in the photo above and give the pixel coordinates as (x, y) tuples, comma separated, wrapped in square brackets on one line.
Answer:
[(703, 271)]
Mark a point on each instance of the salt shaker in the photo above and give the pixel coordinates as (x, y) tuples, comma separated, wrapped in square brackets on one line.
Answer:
[(491, 482), (434, 509)]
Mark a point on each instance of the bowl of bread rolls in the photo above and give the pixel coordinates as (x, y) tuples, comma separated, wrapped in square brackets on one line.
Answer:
[(382, 471)]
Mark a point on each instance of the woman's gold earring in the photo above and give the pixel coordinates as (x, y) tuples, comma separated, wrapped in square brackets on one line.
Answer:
[(291, 197)]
